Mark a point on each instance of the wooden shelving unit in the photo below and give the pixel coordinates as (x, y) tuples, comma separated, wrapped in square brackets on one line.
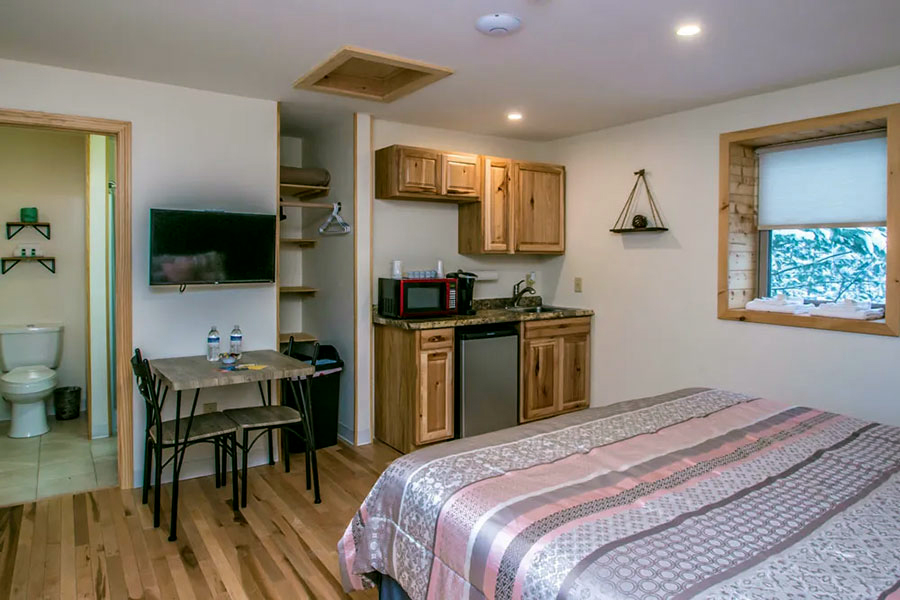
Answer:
[(293, 195), (303, 192), (297, 289), (299, 336), (299, 242)]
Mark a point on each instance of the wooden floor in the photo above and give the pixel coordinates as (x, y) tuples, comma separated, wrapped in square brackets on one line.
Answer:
[(102, 544)]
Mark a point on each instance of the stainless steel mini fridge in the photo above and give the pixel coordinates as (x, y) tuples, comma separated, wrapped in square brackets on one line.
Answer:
[(487, 378)]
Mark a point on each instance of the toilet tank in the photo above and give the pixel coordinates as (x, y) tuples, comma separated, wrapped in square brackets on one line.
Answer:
[(28, 345)]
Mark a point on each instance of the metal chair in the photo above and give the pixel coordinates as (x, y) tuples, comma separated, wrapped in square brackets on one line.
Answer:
[(178, 434), (267, 418)]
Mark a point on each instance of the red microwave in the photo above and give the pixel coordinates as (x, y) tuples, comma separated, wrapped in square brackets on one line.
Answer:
[(416, 298)]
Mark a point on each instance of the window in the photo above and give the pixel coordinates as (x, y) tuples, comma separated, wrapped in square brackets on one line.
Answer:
[(825, 264), (806, 209), (822, 217)]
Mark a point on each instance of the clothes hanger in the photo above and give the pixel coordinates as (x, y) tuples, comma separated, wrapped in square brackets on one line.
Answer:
[(335, 224)]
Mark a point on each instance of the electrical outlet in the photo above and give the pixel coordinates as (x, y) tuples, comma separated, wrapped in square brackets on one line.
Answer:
[(578, 285), (210, 407)]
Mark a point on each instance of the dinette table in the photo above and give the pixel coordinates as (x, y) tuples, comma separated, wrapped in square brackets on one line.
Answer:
[(197, 373)]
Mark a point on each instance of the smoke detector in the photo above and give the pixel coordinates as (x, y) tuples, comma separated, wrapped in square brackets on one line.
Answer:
[(498, 24)]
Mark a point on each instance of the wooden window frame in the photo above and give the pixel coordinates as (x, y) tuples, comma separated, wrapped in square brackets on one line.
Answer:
[(733, 144)]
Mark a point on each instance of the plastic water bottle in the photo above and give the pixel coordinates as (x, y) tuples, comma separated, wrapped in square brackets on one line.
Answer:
[(237, 340), (212, 344)]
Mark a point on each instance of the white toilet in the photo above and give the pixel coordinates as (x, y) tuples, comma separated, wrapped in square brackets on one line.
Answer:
[(28, 355)]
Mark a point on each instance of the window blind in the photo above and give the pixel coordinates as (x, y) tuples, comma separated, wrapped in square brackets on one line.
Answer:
[(841, 181)]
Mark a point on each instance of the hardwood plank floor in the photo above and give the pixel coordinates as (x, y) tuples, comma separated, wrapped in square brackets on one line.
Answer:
[(102, 544)]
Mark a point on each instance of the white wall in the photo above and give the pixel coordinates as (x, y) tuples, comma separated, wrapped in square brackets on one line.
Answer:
[(329, 266), (655, 295), (191, 149), (420, 233), (46, 169)]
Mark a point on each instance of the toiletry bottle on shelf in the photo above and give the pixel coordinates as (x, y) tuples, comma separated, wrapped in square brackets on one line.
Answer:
[(237, 341), (212, 344)]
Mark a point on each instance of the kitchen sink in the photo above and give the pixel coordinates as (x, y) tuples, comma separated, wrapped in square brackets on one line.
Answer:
[(535, 309)]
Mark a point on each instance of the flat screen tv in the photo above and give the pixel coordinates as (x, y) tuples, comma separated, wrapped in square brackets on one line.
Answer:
[(194, 247)]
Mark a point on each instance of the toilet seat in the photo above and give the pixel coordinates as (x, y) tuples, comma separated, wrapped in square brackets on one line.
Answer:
[(27, 380)]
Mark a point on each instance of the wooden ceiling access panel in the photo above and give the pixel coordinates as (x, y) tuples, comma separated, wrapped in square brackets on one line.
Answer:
[(370, 75)]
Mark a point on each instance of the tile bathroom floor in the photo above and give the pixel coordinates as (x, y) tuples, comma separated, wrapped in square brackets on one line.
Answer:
[(61, 461)]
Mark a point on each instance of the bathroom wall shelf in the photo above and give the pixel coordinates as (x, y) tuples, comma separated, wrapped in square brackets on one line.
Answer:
[(14, 227), (8, 262)]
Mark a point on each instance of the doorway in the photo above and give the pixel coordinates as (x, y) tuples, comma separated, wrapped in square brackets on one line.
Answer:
[(116, 135)]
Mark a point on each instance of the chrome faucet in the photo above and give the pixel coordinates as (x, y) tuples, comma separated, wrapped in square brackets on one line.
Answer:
[(519, 291)]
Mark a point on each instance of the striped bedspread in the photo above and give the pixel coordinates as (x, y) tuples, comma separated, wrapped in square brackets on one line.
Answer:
[(694, 494)]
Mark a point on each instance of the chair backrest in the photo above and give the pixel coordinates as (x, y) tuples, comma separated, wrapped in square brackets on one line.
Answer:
[(147, 387), (307, 349), (310, 349)]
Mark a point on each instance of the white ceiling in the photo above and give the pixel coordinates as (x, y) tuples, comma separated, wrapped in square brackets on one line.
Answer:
[(575, 66)]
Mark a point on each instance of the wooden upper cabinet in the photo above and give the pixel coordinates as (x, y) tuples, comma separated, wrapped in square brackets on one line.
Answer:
[(408, 173), (461, 175), (486, 227), (540, 208), (420, 170), (523, 210)]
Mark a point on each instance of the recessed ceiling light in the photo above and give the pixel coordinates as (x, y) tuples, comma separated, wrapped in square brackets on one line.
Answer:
[(689, 30), (498, 24), (514, 116)]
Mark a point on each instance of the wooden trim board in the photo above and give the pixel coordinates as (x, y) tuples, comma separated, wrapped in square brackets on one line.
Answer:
[(122, 132), (370, 75), (807, 129)]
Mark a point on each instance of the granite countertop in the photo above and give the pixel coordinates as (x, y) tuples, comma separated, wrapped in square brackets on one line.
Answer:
[(486, 311)]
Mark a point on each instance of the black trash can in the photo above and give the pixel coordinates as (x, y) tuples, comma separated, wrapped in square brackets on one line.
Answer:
[(325, 393), (67, 403)]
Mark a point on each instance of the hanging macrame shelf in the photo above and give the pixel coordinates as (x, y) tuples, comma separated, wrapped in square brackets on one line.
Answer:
[(622, 220)]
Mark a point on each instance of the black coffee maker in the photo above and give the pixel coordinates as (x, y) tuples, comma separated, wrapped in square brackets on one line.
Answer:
[(465, 291)]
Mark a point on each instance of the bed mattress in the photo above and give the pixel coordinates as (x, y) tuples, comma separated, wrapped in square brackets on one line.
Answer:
[(698, 493)]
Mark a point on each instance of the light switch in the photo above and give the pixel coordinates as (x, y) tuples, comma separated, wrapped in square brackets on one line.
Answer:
[(578, 284)]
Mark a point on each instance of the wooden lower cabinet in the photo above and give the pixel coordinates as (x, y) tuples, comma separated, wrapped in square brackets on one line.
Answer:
[(435, 401), (414, 394), (415, 371), (554, 376)]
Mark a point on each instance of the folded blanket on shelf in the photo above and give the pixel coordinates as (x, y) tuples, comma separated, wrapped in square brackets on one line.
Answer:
[(780, 304), (848, 309)]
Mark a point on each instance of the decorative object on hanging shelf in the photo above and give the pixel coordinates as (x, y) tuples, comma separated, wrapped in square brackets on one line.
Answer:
[(639, 222), (28, 214), (335, 224)]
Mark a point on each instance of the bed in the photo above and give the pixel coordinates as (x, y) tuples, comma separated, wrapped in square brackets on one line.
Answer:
[(698, 493)]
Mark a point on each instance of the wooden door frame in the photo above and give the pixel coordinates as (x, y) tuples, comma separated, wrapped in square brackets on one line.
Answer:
[(122, 132)]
